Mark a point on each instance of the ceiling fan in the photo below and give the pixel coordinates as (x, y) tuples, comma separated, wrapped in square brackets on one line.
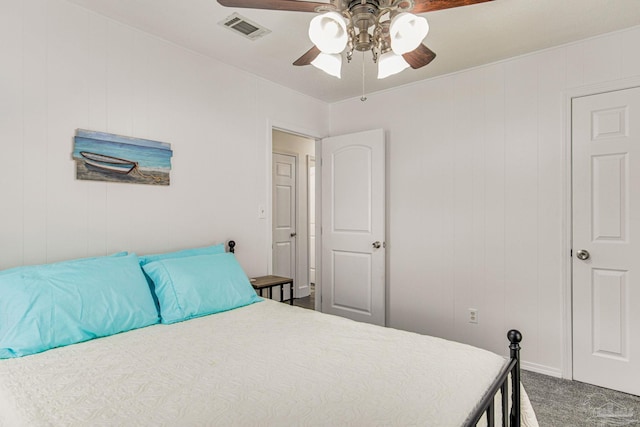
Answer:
[(384, 27)]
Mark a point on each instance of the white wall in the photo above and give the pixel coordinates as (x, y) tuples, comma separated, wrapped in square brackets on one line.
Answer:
[(475, 193), (63, 68)]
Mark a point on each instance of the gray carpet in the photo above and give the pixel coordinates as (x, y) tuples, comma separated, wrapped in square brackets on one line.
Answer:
[(564, 403)]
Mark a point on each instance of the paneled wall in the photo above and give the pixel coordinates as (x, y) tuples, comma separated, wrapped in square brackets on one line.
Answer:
[(476, 167), (63, 68)]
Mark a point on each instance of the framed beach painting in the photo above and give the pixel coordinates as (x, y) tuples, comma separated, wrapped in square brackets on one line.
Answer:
[(102, 156)]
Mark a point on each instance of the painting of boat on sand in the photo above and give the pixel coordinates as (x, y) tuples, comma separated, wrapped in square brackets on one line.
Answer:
[(101, 156)]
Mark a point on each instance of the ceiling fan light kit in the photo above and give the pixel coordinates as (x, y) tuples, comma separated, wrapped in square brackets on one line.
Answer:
[(383, 27), (407, 32), (391, 63), (329, 32), (366, 26), (330, 63), (332, 34)]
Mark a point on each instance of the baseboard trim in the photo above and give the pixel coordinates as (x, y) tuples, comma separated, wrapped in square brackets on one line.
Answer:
[(541, 369), (303, 291)]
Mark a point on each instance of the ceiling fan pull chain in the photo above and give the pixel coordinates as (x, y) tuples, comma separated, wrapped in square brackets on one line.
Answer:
[(363, 97)]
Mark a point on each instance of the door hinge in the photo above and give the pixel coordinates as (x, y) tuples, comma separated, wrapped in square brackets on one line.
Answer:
[(571, 253)]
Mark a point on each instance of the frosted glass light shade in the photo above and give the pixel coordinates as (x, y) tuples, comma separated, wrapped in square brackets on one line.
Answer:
[(407, 32), (330, 63), (329, 32), (390, 63)]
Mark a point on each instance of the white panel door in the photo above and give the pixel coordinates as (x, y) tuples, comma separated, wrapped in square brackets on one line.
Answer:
[(353, 226), (284, 217), (606, 239)]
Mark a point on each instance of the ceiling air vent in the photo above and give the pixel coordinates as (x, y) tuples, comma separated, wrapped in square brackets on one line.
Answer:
[(244, 27)]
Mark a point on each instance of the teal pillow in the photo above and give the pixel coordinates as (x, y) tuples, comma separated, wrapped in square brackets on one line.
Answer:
[(199, 285), (53, 305), (208, 250), (145, 259)]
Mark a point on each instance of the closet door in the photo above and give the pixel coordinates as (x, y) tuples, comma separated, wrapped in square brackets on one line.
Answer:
[(606, 239), (284, 217)]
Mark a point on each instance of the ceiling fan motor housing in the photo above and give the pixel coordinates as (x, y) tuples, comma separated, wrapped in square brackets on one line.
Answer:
[(372, 5), (363, 17)]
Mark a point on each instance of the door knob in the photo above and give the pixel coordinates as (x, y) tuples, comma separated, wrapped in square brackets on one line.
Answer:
[(376, 245), (293, 234), (583, 254)]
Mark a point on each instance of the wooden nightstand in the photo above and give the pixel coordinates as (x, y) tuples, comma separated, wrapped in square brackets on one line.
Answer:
[(262, 282)]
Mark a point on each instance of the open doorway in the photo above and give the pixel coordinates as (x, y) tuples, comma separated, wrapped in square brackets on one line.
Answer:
[(293, 213)]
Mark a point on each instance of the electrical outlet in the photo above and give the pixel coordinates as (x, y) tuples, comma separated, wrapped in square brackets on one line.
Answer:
[(473, 315)]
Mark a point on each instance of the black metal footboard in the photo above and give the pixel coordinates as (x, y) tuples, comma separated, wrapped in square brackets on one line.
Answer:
[(501, 384)]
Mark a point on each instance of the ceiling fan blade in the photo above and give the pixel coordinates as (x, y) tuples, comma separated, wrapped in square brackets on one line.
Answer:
[(431, 5), (292, 5), (419, 57), (309, 56)]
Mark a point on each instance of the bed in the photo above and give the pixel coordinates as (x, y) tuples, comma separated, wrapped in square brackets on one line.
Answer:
[(263, 363)]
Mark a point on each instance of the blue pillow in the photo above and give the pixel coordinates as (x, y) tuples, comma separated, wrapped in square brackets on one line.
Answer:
[(145, 259), (54, 305), (199, 285), (208, 250)]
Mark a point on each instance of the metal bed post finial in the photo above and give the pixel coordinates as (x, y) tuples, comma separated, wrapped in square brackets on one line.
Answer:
[(515, 337), (486, 406), (232, 246)]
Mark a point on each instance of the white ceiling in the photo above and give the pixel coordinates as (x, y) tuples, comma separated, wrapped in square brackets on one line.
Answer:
[(462, 37)]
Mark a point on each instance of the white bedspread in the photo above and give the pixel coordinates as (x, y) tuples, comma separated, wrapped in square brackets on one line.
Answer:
[(267, 364)]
